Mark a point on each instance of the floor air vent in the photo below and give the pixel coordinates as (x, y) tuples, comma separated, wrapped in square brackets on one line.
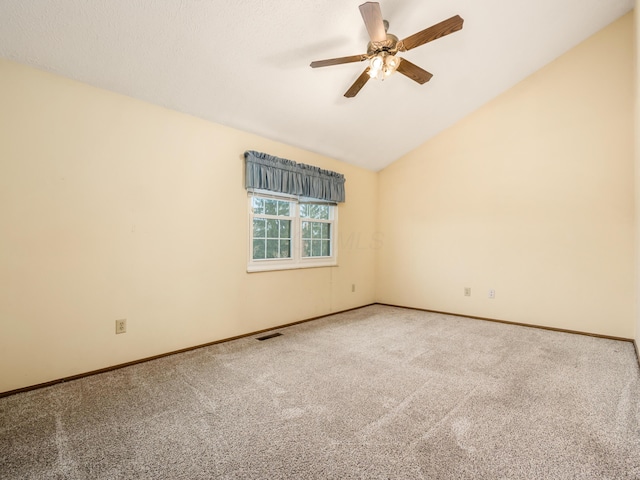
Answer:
[(267, 337)]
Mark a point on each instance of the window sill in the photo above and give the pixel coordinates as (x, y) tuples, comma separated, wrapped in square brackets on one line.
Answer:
[(290, 266)]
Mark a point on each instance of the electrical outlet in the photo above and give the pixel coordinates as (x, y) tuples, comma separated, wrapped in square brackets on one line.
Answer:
[(467, 291), (492, 293), (353, 287), (121, 326)]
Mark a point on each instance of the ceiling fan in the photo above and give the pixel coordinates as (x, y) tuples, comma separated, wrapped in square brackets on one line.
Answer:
[(383, 47)]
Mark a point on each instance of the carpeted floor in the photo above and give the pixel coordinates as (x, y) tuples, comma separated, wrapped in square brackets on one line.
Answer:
[(375, 393)]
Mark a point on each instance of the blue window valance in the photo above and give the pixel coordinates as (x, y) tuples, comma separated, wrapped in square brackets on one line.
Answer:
[(266, 172)]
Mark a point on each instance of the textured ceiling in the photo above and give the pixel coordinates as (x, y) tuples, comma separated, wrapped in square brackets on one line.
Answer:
[(245, 63)]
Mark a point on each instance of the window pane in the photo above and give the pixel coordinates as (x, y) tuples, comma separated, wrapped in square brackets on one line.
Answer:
[(259, 228), (306, 248), (272, 228), (259, 249), (326, 248), (285, 249), (316, 229), (271, 207), (283, 208), (316, 249), (320, 212), (304, 210), (323, 212), (272, 249), (306, 229), (325, 231), (258, 205), (285, 228)]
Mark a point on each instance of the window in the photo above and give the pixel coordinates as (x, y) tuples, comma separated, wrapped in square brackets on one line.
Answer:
[(271, 228), (287, 232), (316, 230)]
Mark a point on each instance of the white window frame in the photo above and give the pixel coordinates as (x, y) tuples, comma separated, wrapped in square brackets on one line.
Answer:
[(297, 260)]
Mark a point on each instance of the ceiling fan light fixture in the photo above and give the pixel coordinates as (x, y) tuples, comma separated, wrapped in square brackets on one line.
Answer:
[(375, 66), (390, 64), (382, 65)]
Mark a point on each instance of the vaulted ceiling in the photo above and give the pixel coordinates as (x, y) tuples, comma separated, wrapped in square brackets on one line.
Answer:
[(245, 63)]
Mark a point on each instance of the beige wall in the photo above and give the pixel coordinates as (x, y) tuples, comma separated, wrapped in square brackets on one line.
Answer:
[(531, 195), (112, 208)]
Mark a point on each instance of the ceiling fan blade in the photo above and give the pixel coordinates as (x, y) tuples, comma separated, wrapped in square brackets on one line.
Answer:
[(372, 17), (414, 72), (358, 84), (338, 61), (434, 32)]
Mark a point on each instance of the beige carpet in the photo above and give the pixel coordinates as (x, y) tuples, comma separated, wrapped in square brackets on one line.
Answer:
[(376, 393)]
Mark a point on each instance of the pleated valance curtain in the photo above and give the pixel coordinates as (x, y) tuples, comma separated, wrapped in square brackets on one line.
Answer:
[(266, 172)]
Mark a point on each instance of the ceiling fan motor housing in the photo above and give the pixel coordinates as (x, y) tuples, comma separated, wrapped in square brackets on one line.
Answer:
[(390, 46)]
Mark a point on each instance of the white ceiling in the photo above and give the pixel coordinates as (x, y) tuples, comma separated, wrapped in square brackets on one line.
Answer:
[(245, 63)]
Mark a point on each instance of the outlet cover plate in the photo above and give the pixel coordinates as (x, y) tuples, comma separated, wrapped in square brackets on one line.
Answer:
[(121, 326)]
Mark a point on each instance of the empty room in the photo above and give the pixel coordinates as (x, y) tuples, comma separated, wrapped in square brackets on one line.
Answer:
[(324, 240)]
